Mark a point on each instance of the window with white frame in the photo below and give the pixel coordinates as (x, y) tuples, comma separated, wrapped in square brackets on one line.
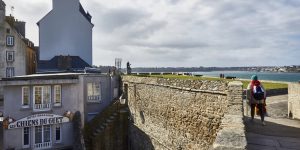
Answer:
[(10, 56), (10, 41), (26, 137), (10, 72), (42, 137), (58, 133), (93, 92), (46, 94), (42, 97), (57, 95), (25, 96)]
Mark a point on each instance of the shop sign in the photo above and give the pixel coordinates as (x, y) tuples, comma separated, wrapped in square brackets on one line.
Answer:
[(38, 120)]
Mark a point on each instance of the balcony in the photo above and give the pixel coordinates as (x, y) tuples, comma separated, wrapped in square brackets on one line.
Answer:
[(93, 98), (44, 145), (42, 107)]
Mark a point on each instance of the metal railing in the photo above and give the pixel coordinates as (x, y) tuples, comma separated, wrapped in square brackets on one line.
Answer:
[(42, 145), (42, 107), (94, 98)]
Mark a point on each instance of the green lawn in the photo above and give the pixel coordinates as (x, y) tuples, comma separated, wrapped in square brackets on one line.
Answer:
[(267, 85)]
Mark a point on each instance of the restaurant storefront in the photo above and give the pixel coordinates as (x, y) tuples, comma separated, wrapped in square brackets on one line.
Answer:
[(38, 131)]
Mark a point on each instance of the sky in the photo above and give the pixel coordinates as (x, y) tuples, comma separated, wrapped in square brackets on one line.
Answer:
[(184, 33)]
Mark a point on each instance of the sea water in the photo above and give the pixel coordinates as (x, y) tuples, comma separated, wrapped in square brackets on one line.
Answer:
[(274, 76)]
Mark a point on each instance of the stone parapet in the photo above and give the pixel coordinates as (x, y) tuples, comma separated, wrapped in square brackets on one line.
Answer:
[(232, 130), (294, 101), (214, 86)]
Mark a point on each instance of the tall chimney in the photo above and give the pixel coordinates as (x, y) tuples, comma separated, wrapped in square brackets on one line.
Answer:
[(2, 11), (20, 26)]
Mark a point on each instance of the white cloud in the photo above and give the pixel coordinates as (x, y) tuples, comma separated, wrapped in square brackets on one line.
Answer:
[(185, 32)]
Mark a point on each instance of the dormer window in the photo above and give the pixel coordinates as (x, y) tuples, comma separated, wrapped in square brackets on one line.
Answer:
[(10, 41)]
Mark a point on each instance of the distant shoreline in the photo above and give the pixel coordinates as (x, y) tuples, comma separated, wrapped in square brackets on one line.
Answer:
[(279, 69), (240, 75)]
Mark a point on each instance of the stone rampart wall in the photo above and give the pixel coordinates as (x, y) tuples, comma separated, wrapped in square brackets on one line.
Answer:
[(178, 114), (294, 100)]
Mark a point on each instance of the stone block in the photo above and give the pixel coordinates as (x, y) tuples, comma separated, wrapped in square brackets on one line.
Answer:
[(230, 140)]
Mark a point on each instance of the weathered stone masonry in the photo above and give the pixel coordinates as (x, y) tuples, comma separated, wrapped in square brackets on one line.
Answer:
[(232, 130), (178, 114), (294, 101)]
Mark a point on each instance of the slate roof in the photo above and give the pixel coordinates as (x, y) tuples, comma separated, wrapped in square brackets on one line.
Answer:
[(81, 10), (86, 15), (60, 63), (51, 76)]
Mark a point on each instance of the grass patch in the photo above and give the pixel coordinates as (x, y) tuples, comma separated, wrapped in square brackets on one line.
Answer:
[(267, 85), (183, 77)]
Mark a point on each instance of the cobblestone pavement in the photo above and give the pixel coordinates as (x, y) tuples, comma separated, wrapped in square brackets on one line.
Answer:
[(280, 133)]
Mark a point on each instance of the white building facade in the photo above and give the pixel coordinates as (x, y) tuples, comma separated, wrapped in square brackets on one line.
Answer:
[(12, 47), (66, 30), (14, 58), (39, 109)]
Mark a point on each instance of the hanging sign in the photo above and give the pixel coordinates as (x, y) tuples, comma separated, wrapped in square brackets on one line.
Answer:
[(38, 120)]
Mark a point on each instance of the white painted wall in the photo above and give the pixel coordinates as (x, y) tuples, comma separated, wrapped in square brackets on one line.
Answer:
[(19, 50), (74, 98), (65, 31)]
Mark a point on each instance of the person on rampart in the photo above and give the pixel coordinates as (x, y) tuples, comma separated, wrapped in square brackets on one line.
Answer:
[(257, 97)]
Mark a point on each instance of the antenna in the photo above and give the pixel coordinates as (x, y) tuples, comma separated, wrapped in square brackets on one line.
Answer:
[(12, 10), (118, 63)]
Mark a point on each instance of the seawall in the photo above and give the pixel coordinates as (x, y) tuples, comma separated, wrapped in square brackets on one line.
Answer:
[(184, 114)]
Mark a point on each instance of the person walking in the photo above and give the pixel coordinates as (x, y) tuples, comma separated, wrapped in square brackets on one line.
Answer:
[(257, 97)]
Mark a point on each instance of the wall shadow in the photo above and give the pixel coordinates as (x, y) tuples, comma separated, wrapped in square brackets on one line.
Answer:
[(271, 129), (138, 139)]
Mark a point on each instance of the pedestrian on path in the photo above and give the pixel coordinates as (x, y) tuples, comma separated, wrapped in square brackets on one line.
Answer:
[(256, 95)]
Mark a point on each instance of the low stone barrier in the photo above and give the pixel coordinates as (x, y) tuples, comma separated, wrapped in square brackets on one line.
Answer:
[(294, 101), (232, 130)]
